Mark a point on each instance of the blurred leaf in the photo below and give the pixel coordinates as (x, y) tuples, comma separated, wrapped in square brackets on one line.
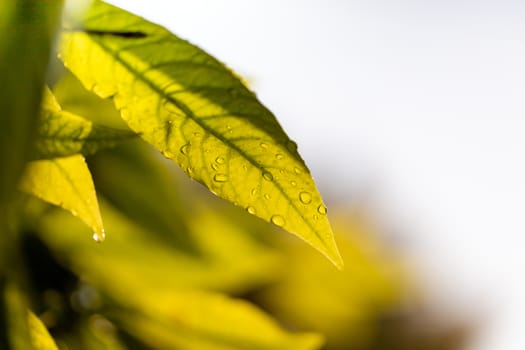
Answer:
[(40, 338), (26, 31), (17, 326), (67, 183), (136, 259), (63, 134), (197, 113), (205, 321), (120, 174), (345, 306), (151, 292)]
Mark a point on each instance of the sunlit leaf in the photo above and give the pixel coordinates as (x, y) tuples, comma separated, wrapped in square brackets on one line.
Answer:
[(39, 336), (197, 113), (65, 182), (63, 134)]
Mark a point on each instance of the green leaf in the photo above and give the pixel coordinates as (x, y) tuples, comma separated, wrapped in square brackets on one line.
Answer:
[(63, 134), (67, 183), (39, 335), (199, 114)]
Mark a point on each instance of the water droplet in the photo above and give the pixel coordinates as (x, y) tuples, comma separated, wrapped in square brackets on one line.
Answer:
[(316, 217), (219, 160), (297, 170), (99, 236), (125, 113), (189, 170), (305, 197), (220, 178), (229, 128), (185, 149), (267, 175), (254, 192), (264, 146), (291, 146), (101, 92), (278, 156), (251, 210), (168, 154), (214, 166), (267, 196), (293, 183), (277, 220), (321, 209)]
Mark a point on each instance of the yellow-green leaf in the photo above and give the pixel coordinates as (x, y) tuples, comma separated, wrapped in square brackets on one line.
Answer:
[(199, 114), (38, 334), (66, 182), (206, 321), (63, 134)]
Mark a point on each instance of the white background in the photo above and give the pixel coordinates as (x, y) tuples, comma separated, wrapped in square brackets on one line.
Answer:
[(418, 104)]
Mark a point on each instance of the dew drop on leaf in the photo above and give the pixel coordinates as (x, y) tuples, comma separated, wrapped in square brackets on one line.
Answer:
[(321, 209), (277, 220), (250, 210), (214, 166), (264, 146), (278, 156), (185, 149), (297, 170), (220, 178), (291, 146), (267, 175), (254, 191), (305, 197), (293, 183), (266, 196), (219, 160), (99, 236)]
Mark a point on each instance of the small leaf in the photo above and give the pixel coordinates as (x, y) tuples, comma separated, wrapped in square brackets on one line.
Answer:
[(63, 134), (199, 114), (39, 335), (67, 183)]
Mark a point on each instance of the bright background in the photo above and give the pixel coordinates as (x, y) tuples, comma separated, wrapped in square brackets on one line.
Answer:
[(416, 107)]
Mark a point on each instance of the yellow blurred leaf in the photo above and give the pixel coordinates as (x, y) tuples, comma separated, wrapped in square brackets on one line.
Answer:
[(206, 321), (345, 306), (39, 336), (197, 113)]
